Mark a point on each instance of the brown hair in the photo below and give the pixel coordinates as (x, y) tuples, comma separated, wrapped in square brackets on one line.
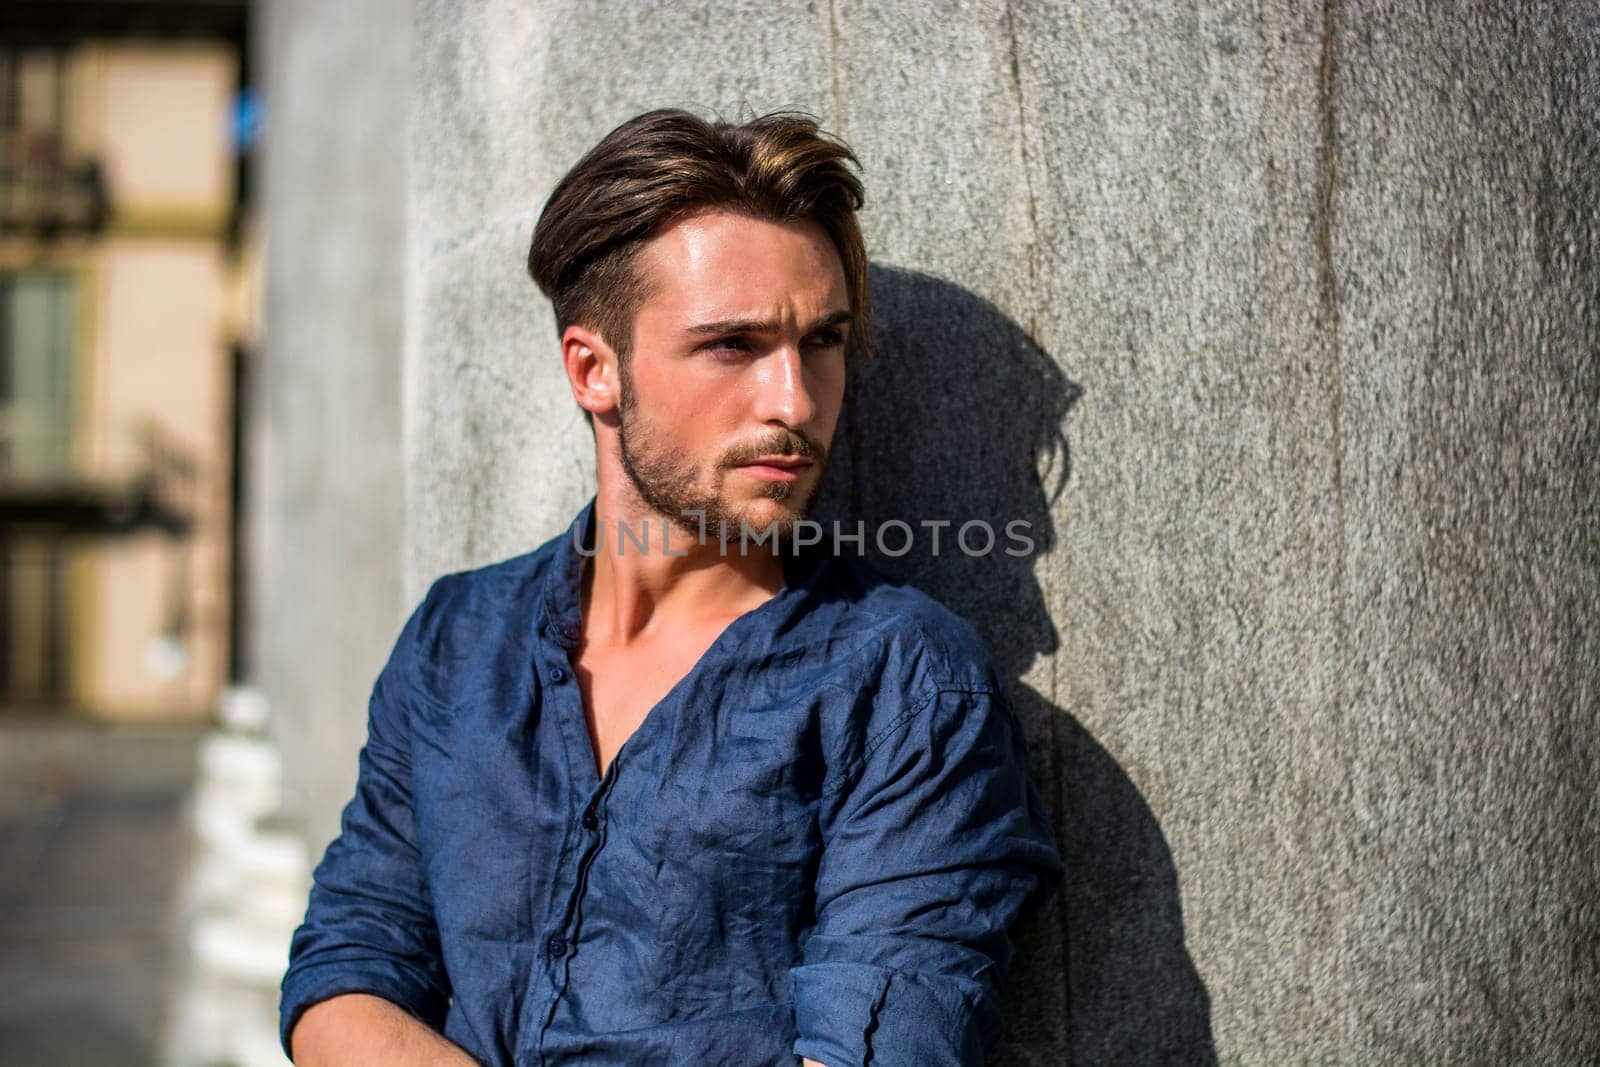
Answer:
[(663, 165)]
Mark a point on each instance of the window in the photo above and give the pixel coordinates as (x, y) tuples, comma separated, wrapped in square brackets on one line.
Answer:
[(36, 370), (36, 364)]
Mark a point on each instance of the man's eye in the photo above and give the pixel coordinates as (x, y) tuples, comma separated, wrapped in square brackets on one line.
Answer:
[(828, 339), (727, 347)]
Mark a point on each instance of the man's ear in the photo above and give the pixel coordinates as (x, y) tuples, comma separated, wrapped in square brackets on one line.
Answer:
[(591, 370)]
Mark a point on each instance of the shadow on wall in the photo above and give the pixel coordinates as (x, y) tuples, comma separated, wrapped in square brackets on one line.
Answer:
[(960, 417)]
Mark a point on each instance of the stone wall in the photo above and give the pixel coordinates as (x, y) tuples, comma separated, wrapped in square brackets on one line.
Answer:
[(328, 546), (1278, 322)]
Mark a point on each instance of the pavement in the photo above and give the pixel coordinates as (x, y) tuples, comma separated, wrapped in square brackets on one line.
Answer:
[(94, 842)]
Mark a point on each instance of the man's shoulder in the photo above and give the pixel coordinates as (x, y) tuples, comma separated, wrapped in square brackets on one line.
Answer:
[(895, 656), (918, 636), (499, 581), (465, 612)]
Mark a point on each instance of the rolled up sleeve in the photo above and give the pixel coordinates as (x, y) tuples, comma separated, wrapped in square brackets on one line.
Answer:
[(369, 925), (937, 849)]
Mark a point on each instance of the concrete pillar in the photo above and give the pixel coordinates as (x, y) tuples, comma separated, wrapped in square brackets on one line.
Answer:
[(1278, 324), (329, 542)]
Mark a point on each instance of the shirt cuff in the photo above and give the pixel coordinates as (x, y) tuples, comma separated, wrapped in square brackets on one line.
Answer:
[(849, 1013), (394, 982)]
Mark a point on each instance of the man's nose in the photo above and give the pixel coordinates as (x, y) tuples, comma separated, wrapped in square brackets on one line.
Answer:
[(783, 394)]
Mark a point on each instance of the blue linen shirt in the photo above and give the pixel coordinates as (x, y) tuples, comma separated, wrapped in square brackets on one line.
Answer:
[(819, 843)]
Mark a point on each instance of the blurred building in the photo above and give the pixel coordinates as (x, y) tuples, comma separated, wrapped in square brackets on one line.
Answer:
[(127, 269)]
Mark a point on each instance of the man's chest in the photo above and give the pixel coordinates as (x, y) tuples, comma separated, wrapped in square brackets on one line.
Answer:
[(620, 686), (511, 782), (688, 866)]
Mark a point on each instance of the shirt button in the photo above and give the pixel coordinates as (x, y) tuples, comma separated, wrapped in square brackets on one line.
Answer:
[(591, 821), (557, 675), (557, 947)]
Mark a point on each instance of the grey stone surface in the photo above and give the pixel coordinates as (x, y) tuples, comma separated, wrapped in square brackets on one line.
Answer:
[(1278, 322), (328, 546), (1174, 156), (1465, 261)]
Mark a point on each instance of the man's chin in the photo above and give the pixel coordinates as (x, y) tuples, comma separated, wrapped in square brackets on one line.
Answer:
[(761, 514), (720, 514)]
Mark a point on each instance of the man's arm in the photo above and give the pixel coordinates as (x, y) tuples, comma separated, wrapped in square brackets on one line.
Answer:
[(369, 927), (361, 1030), (937, 845)]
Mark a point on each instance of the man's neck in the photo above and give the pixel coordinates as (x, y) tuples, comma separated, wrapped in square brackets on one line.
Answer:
[(639, 594)]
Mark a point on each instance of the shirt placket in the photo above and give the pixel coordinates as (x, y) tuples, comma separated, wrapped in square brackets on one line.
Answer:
[(560, 934)]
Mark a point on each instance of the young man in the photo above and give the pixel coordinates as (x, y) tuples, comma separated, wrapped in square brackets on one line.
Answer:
[(654, 793)]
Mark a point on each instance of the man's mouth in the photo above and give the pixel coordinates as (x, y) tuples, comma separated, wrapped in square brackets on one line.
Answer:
[(785, 468)]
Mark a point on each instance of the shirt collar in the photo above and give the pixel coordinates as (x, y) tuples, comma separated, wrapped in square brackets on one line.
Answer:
[(562, 592)]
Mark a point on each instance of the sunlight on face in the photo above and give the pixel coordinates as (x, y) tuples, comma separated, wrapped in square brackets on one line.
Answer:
[(738, 355)]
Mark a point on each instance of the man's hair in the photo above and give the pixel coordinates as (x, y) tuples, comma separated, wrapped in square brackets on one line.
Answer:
[(664, 165)]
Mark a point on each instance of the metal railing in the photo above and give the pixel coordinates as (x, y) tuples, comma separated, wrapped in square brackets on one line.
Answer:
[(43, 194), (147, 481)]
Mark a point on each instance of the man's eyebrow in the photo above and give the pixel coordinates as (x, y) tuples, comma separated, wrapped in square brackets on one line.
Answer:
[(763, 326)]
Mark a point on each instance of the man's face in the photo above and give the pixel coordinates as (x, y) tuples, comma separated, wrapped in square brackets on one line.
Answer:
[(738, 355)]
